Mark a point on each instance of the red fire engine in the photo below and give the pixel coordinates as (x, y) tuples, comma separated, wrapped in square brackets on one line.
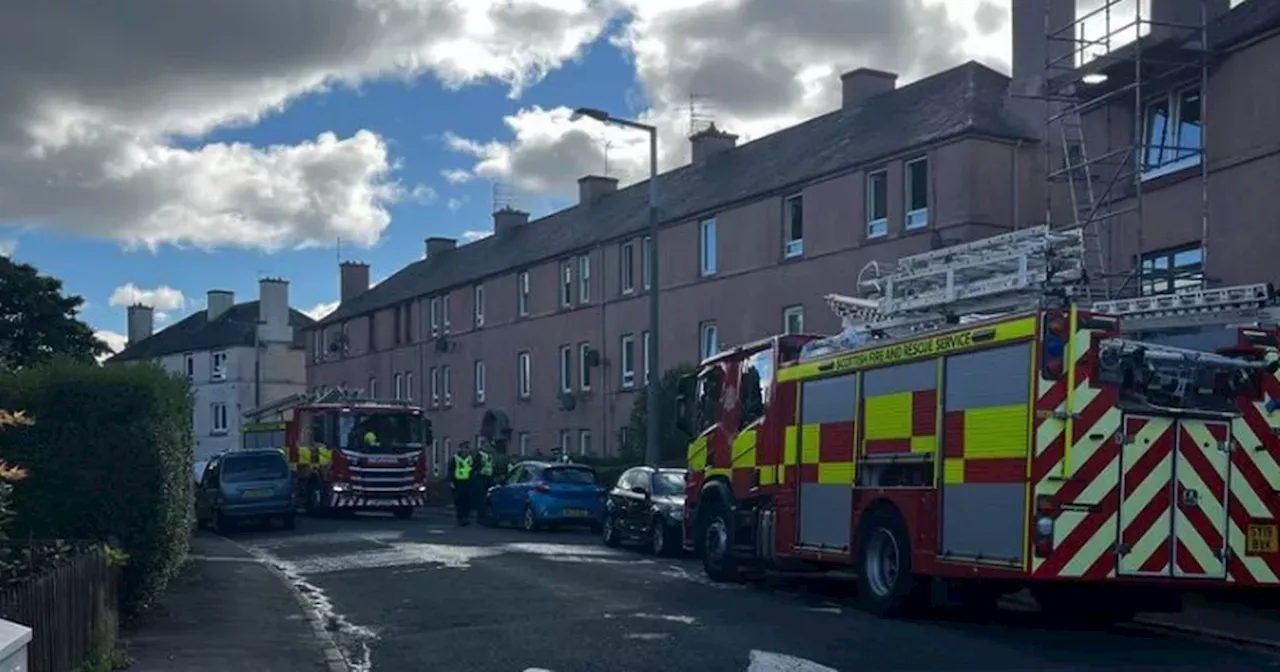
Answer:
[(974, 428), (350, 453)]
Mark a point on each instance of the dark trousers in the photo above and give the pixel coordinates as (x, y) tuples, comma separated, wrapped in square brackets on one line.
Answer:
[(462, 500)]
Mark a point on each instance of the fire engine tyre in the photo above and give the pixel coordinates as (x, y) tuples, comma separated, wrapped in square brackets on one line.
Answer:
[(609, 533), (718, 560), (403, 512), (886, 583)]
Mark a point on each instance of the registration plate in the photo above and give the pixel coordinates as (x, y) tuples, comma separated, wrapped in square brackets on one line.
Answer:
[(575, 513), (262, 492), (1262, 540)]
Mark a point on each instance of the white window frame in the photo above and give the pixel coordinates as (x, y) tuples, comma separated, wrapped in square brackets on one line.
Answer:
[(435, 386), (435, 316), (1160, 271), (708, 339), (646, 248), (566, 442), (220, 423), (877, 227), (218, 365), (522, 293), (447, 306), (1171, 140), (446, 378), (790, 312), (584, 278), (792, 247), (373, 388), (644, 345), (408, 386), (584, 372), (399, 383), (523, 441), (708, 247), (566, 284), (479, 380), (477, 300), (917, 218), (584, 442), (524, 374), (628, 369), (565, 363), (627, 267)]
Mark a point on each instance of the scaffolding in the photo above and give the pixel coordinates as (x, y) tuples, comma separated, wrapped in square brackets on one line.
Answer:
[(1109, 59)]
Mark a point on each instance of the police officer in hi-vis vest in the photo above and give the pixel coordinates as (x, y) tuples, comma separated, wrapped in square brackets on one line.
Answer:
[(462, 475), (485, 464)]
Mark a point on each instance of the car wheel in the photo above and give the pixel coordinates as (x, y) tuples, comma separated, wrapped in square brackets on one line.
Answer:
[(887, 585), (608, 532), (717, 544), (658, 537), (528, 522)]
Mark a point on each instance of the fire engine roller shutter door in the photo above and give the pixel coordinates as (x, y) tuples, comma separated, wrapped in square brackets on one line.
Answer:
[(901, 412), (986, 406), (825, 459)]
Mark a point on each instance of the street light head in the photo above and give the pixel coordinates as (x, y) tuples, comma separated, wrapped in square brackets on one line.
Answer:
[(589, 113)]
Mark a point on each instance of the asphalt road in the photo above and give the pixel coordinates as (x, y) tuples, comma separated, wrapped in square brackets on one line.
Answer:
[(424, 595)]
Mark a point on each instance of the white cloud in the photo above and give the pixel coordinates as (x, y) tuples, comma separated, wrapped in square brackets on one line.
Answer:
[(456, 176), (7, 247), (755, 66), (104, 140), (454, 204), (113, 340), (318, 311), (473, 236), (162, 298)]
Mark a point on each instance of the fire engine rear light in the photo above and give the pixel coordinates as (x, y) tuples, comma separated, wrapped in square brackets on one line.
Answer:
[(1053, 346), (1046, 511)]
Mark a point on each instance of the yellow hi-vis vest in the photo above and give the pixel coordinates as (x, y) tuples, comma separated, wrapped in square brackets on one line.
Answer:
[(486, 464), (462, 468)]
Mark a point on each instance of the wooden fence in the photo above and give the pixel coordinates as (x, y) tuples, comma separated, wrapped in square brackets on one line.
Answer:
[(72, 610)]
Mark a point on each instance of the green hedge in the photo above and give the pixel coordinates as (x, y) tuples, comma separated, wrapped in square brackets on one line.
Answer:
[(108, 459)]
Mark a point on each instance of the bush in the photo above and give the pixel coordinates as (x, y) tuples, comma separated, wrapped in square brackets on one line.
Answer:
[(109, 459), (673, 443)]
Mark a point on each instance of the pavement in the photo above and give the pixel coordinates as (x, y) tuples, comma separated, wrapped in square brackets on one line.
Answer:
[(424, 594), (226, 611)]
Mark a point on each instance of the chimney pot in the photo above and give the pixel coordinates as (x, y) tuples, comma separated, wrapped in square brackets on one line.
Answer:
[(273, 310), (141, 321), (711, 141), (219, 301), (353, 280), (593, 187), (858, 85), (508, 218), (437, 245)]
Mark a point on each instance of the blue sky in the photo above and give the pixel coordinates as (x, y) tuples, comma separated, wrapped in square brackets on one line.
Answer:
[(205, 157)]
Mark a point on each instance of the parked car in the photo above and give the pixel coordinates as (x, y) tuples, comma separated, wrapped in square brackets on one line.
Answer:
[(534, 495), (647, 506), (242, 485)]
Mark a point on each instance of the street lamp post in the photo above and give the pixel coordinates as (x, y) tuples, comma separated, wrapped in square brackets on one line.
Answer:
[(652, 397)]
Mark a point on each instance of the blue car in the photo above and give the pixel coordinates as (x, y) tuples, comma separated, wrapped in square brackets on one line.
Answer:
[(244, 485), (535, 495)]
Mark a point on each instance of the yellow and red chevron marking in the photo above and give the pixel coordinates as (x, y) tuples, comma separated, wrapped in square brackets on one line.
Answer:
[(1254, 483), (1146, 498), (1203, 467)]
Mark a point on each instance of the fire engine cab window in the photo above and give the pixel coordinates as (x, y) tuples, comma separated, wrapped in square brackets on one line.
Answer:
[(708, 398), (753, 392)]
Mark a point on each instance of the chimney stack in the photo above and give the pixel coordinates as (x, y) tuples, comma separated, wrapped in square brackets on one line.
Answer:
[(141, 322), (438, 245), (592, 187), (711, 141), (273, 310), (508, 218), (856, 86), (219, 301), (353, 280)]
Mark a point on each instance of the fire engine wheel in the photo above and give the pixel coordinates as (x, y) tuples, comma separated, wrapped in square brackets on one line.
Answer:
[(886, 585), (717, 546)]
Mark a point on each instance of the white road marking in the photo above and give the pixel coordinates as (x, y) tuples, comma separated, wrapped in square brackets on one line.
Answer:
[(648, 636), (674, 618), (825, 610), (767, 661)]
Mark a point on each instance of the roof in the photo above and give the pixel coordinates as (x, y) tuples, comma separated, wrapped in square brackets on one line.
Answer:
[(1247, 20), (234, 327), (968, 99)]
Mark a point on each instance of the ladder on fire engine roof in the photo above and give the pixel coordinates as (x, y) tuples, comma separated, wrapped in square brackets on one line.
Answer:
[(319, 395), (965, 282), (1251, 305)]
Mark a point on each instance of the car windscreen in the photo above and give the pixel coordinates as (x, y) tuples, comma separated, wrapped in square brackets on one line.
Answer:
[(262, 467), (667, 483), (573, 475)]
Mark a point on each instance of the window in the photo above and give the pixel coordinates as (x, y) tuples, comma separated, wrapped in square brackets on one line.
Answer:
[(628, 361), (397, 331), (707, 246), (709, 339), (566, 284), (445, 311), (1172, 133), (435, 386), (644, 345), (219, 419), (753, 389), (709, 383), (584, 279), (628, 266), (917, 173), (373, 388), (584, 442), (346, 338), (793, 235), (522, 293), (646, 248), (1173, 270), (218, 366), (525, 362), (399, 386), (566, 442), (408, 386), (189, 365), (584, 367), (446, 382), (566, 369), (435, 316), (793, 320), (317, 345), (477, 299), (373, 333), (877, 204), (479, 381), (524, 443)]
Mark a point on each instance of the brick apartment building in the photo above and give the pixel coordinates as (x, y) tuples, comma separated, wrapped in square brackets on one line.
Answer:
[(546, 319)]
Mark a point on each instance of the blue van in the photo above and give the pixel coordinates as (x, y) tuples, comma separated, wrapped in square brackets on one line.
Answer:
[(242, 485)]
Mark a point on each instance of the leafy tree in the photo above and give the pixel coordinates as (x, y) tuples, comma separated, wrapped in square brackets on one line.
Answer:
[(37, 322), (672, 443)]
